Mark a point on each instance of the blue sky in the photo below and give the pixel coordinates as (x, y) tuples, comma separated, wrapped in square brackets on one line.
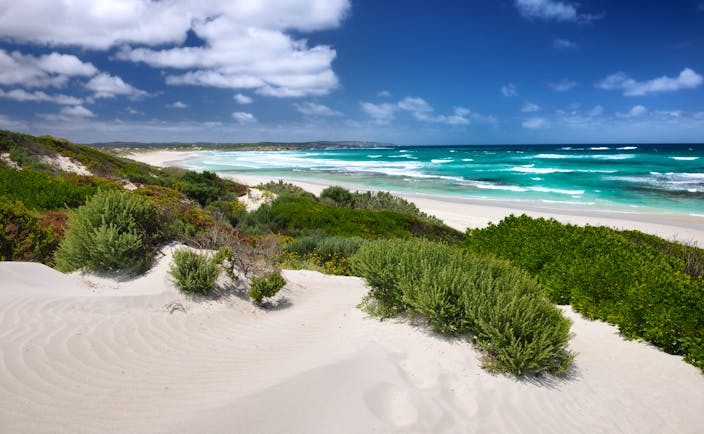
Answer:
[(407, 72)]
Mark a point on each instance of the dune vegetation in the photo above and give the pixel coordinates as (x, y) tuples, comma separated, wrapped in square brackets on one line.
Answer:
[(497, 287)]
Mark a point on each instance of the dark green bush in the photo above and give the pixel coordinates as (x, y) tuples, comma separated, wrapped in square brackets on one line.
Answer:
[(42, 191), (299, 216), (266, 286), (22, 237), (194, 273), (633, 280), (338, 196), (112, 231), (519, 330)]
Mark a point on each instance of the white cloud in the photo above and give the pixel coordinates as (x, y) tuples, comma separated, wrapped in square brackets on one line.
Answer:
[(49, 70), (687, 79), (415, 105), (381, 113), (109, 86), (551, 10), (383, 94), (246, 44), (77, 111), (313, 109), (243, 99), (535, 123), (562, 44), (39, 96), (637, 110), (65, 64), (244, 118), (509, 90), (422, 111), (177, 105), (597, 110), (563, 85), (529, 107)]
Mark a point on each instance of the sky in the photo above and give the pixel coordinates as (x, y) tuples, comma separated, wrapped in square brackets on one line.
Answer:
[(409, 72)]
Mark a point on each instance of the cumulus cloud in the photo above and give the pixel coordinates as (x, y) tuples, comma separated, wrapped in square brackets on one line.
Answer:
[(245, 44), (422, 111), (49, 70), (69, 114), (243, 99), (244, 118), (109, 86), (563, 85), (562, 44), (77, 111), (177, 105), (318, 110), (551, 10), (687, 79), (39, 96), (381, 113), (383, 94), (535, 123), (509, 90), (636, 110), (529, 107)]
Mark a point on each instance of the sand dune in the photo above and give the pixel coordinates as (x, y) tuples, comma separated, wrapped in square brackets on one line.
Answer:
[(90, 354)]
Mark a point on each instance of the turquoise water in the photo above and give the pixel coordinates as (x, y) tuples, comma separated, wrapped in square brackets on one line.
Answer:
[(652, 177)]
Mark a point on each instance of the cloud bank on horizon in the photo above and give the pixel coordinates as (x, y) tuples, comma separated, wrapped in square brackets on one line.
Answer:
[(246, 70)]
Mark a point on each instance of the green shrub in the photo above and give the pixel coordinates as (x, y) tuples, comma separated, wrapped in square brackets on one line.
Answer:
[(338, 196), (42, 191), (298, 216), (321, 253), (266, 286), (378, 263), (519, 330), (112, 231), (194, 273), (280, 186), (22, 237), (641, 283)]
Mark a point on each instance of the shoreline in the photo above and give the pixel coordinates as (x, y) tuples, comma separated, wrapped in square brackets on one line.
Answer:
[(464, 213)]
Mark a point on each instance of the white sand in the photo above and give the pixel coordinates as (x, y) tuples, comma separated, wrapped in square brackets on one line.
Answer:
[(99, 355)]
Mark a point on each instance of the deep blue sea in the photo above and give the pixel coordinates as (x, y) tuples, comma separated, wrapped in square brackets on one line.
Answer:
[(641, 177)]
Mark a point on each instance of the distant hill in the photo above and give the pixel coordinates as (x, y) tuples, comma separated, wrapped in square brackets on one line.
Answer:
[(259, 146)]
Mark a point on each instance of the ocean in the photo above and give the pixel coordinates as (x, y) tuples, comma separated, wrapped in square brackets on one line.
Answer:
[(649, 178)]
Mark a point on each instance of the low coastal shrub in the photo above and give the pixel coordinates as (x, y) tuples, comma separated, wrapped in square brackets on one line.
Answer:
[(41, 191), (298, 216), (519, 330), (636, 281), (194, 273), (23, 237), (378, 263), (266, 286), (112, 231), (379, 201), (326, 254), (278, 187)]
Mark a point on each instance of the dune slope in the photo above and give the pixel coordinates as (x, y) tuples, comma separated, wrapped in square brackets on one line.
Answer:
[(90, 354)]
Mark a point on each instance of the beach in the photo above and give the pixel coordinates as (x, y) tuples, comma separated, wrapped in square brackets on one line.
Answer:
[(89, 353), (464, 213)]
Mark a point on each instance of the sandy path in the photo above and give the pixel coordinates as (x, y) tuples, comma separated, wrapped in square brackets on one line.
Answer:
[(97, 355)]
